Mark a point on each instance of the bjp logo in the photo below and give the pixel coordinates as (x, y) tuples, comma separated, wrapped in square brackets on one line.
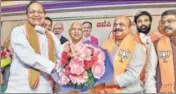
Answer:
[(123, 54), (164, 55)]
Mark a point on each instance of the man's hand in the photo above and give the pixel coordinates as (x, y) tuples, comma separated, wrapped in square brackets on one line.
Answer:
[(56, 71), (55, 76)]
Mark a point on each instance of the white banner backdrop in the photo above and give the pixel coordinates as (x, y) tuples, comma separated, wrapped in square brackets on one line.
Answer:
[(101, 27)]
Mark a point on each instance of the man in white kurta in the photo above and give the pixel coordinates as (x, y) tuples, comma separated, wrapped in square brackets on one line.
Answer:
[(24, 57)]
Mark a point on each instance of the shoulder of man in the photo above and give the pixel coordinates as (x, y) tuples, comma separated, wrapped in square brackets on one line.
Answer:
[(64, 38), (18, 29), (155, 43)]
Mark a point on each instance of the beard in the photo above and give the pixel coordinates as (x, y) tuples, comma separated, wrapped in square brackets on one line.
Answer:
[(144, 29)]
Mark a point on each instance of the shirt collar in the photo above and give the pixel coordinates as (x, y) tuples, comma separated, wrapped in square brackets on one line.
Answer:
[(145, 38)]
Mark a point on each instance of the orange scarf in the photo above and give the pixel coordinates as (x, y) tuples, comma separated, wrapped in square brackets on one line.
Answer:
[(153, 37), (165, 54), (142, 74), (34, 75), (109, 45), (121, 60), (123, 55)]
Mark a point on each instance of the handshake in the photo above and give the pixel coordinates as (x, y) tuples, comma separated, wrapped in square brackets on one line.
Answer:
[(55, 73)]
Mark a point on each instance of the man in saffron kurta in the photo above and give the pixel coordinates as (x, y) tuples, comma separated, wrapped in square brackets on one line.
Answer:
[(127, 56), (162, 74), (35, 53)]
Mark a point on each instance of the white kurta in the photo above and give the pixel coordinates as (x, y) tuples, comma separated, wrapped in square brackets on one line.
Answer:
[(150, 72), (24, 57)]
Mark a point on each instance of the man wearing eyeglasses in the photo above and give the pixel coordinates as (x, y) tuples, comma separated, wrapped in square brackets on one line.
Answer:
[(127, 56), (161, 75), (36, 51)]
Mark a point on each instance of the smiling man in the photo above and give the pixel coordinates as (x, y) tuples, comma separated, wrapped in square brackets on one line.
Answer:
[(76, 33), (87, 29), (58, 30), (161, 75), (127, 56), (35, 53)]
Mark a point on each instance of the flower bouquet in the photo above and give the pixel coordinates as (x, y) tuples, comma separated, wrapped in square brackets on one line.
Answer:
[(83, 66)]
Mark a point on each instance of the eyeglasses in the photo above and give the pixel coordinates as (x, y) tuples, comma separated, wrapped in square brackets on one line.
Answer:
[(35, 11), (168, 21)]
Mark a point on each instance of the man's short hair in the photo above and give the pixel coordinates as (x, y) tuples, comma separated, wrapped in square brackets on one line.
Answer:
[(34, 1), (169, 12), (48, 18), (88, 23), (142, 13)]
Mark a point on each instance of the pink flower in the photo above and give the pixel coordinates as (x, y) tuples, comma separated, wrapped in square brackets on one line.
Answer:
[(76, 66), (63, 80), (64, 58), (3, 54), (79, 79), (98, 70), (92, 49), (88, 53), (87, 65), (67, 70), (92, 62)]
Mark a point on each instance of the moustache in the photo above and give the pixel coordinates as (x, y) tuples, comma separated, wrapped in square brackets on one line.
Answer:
[(143, 29), (85, 30), (57, 33), (118, 30), (143, 26), (165, 28)]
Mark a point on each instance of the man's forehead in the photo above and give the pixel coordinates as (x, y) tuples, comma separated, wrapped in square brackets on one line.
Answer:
[(34, 5), (86, 24), (169, 17), (58, 25), (76, 25), (143, 16), (47, 21), (121, 19)]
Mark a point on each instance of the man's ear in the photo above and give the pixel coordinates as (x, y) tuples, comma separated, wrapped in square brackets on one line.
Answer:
[(133, 24), (69, 32)]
